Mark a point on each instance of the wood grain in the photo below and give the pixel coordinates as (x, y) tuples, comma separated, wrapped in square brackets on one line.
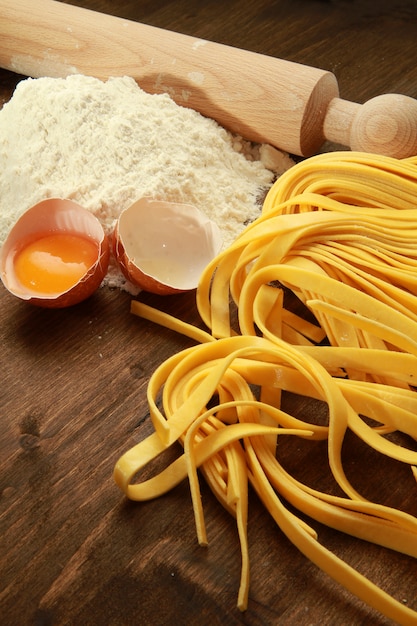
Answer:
[(256, 96), (292, 106), (72, 396)]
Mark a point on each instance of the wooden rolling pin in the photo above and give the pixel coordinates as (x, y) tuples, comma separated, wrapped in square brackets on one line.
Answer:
[(291, 106)]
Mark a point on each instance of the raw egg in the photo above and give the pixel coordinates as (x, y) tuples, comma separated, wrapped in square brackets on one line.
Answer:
[(56, 254), (163, 247)]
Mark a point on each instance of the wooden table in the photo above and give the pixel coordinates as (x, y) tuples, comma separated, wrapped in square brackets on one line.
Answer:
[(73, 550)]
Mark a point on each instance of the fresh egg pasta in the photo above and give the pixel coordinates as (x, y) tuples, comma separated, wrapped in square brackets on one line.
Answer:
[(338, 235)]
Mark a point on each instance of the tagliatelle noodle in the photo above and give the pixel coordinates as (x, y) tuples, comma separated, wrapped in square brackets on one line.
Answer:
[(329, 296), (237, 358), (393, 408), (354, 178), (299, 242), (158, 317), (326, 560), (348, 252), (271, 241)]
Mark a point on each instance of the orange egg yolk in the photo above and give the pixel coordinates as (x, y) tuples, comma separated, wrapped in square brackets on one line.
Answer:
[(55, 263)]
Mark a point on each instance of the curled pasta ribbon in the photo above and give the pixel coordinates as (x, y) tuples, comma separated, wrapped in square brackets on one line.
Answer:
[(357, 179), (354, 266), (338, 237), (229, 443)]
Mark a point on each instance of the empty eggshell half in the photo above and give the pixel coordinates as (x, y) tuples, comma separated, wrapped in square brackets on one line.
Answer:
[(163, 247), (49, 218)]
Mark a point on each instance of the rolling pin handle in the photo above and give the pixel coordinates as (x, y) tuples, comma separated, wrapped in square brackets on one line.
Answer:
[(385, 125)]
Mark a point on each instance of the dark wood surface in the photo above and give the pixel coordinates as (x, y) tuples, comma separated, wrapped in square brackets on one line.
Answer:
[(73, 550)]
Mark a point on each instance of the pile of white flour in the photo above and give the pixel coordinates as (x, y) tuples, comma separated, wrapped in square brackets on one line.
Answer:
[(106, 144)]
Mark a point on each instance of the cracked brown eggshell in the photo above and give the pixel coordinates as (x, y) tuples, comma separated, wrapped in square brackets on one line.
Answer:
[(163, 247), (51, 216)]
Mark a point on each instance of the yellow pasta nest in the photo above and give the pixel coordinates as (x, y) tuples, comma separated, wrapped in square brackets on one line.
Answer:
[(338, 235)]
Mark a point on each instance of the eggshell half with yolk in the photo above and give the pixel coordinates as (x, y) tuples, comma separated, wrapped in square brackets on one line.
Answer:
[(56, 254)]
